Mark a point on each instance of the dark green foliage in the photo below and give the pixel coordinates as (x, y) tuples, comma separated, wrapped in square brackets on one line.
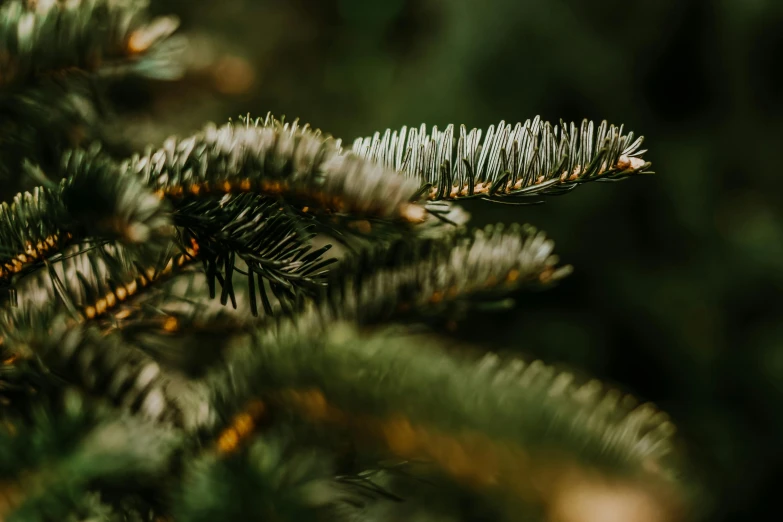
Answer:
[(70, 448), (273, 246), (267, 480), (53, 36), (40, 123), (390, 375), (105, 366), (121, 273), (113, 204), (55, 57)]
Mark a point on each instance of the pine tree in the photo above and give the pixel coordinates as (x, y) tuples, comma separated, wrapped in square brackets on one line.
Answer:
[(236, 325)]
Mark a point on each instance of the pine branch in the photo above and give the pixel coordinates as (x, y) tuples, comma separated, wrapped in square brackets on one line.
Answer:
[(178, 325), (95, 203), (409, 279), (88, 281), (272, 245), (52, 55), (50, 37), (108, 202), (61, 319), (286, 161), (105, 366), (30, 229), (247, 226), (39, 123), (414, 278), (134, 281), (530, 159), (520, 427)]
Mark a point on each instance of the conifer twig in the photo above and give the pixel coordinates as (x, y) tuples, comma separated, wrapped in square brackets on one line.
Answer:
[(53, 36), (413, 278), (95, 202), (528, 159), (490, 423), (278, 160)]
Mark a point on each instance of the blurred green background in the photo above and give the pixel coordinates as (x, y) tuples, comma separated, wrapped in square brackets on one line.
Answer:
[(677, 290)]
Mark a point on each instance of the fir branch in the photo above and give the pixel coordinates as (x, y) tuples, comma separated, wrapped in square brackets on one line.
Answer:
[(343, 496), (103, 365), (31, 228), (485, 423), (39, 123), (88, 288), (95, 202), (530, 159), (118, 305), (110, 203), (417, 277), (51, 54), (50, 36), (178, 324), (89, 281), (286, 161), (272, 245), (170, 263)]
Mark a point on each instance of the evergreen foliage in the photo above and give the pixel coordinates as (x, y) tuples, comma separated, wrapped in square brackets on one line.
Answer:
[(178, 342)]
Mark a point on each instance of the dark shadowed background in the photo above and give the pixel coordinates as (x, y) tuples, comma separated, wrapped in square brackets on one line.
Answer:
[(677, 293)]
